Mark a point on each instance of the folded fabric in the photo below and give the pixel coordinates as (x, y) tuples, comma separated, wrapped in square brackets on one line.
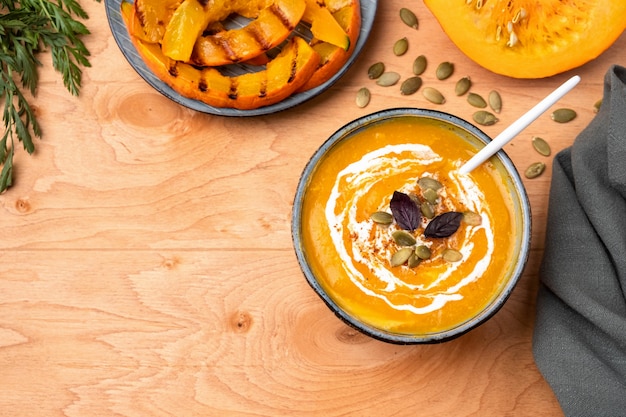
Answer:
[(579, 342)]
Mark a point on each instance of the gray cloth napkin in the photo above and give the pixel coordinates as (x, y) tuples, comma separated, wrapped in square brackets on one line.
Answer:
[(579, 341)]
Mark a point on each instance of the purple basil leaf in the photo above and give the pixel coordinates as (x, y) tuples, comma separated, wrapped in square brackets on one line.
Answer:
[(444, 225), (405, 212)]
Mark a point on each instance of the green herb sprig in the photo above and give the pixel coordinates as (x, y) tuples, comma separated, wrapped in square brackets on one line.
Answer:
[(27, 28)]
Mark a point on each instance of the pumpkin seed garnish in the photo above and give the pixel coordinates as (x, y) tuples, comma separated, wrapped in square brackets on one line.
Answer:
[(472, 219), (400, 47), (375, 70), (363, 97), (423, 252), (597, 105), (409, 18), (433, 95), (430, 195), (401, 256), (563, 115), (388, 79), (535, 170), (451, 255), (413, 261), (381, 217), (485, 118), (410, 85), (403, 238), (419, 65), (541, 146), (444, 70), (462, 86), (428, 182), (495, 101), (476, 100), (427, 210)]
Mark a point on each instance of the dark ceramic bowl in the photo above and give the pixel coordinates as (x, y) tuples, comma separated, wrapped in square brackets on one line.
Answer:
[(512, 184)]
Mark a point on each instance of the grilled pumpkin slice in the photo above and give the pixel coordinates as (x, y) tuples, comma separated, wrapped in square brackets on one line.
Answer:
[(151, 18)]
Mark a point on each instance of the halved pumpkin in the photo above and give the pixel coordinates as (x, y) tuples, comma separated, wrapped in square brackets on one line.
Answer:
[(348, 14), (531, 38), (271, 27), (283, 75)]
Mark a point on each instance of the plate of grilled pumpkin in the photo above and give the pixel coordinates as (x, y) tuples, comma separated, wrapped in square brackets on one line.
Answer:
[(240, 58)]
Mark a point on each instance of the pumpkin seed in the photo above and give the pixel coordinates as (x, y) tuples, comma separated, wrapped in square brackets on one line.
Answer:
[(410, 85), (409, 18), (403, 238), (495, 101), (388, 79), (401, 256), (423, 252), (433, 95), (476, 100), (563, 115), (535, 170), (400, 47), (375, 70), (541, 146), (427, 210), (452, 255), (382, 217), (485, 118), (444, 70), (363, 97), (430, 195), (472, 219), (413, 261), (462, 86), (428, 182), (419, 65), (597, 105)]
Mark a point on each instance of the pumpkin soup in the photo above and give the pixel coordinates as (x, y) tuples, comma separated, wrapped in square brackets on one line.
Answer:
[(397, 237)]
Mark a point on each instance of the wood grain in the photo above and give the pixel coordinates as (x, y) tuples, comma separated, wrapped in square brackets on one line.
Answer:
[(146, 264)]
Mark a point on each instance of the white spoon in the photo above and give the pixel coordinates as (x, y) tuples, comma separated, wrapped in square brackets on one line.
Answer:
[(520, 124)]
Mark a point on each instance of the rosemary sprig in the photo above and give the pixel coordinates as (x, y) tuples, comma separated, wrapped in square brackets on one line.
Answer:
[(27, 28)]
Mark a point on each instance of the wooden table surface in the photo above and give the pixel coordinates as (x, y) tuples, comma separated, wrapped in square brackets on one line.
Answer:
[(147, 268)]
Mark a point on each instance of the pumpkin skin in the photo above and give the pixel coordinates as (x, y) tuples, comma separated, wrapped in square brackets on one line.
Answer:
[(531, 38)]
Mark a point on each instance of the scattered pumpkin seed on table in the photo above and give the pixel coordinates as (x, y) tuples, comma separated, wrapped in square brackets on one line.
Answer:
[(419, 65), (400, 47), (541, 146), (563, 115), (597, 105), (433, 95), (462, 86), (410, 85), (388, 79), (409, 18), (495, 101), (535, 170), (375, 70), (444, 70), (476, 100), (485, 118), (363, 97)]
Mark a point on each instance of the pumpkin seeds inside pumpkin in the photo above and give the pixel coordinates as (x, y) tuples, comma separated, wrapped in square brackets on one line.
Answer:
[(444, 70), (388, 79), (485, 118), (401, 256), (541, 146), (462, 86), (535, 170), (400, 47), (403, 238), (419, 65), (410, 85), (363, 97), (563, 115), (451, 255), (495, 101), (375, 70), (382, 217), (476, 100), (433, 95), (409, 18)]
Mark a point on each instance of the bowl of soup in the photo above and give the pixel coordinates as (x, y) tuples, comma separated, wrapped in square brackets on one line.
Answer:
[(396, 241)]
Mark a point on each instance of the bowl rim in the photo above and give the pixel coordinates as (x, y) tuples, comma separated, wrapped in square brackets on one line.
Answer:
[(348, 130)]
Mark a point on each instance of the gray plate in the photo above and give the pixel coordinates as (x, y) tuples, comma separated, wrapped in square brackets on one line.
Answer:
[(120, 33)]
